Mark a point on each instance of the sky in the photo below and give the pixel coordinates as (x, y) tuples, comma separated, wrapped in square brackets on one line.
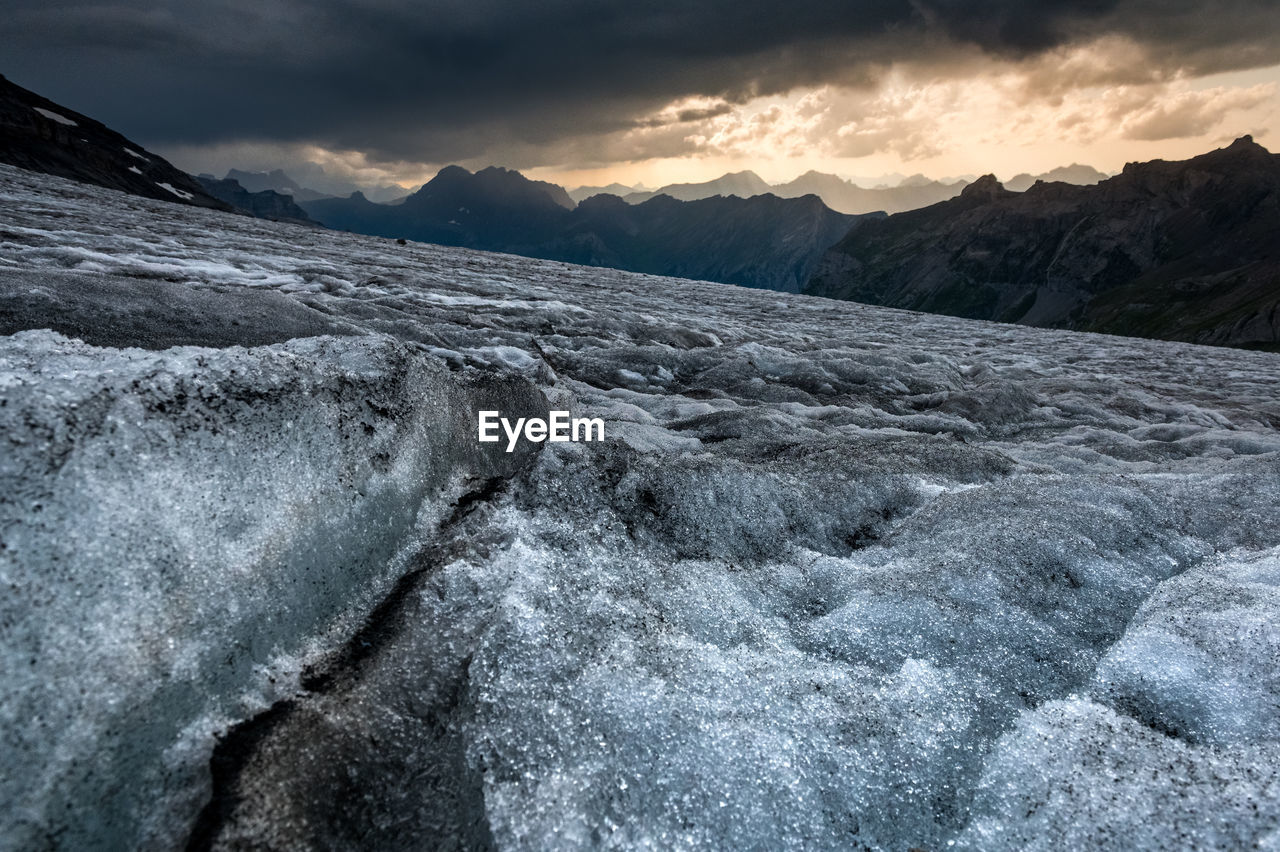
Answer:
[(658, 91)]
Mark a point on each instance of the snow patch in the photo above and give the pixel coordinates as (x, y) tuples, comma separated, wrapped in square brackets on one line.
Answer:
[(181, 193), (53, 116)]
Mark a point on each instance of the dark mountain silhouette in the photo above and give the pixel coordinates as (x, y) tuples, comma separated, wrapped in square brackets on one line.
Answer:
[(274, 181), (1074, 173), (493, 209), (41, 136), (314, 185), (847, 197), (1175, 250), (764, 241), (844, 196), (582, 193), (741, 184), (266, 204), (836, 192)]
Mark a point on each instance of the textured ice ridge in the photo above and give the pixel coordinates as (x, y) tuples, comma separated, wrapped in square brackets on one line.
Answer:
[(177, 522)]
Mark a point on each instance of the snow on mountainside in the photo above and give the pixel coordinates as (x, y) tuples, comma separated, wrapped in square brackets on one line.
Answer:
[(43, 136), (840, 576)]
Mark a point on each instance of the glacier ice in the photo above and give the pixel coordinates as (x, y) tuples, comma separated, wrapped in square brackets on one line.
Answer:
[(175, 522), (840, 577)]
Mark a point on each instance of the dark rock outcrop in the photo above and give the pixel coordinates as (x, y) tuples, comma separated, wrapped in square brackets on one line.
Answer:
[(41, 136), (1172, 250)]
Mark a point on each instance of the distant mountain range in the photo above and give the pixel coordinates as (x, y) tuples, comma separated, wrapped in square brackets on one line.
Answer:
[(265, 204), (837, 193), (312, 183), (1176, 250), (274, 181), (763, 241), (1074, 173), (582, 193), (741, 184), (41, 136)]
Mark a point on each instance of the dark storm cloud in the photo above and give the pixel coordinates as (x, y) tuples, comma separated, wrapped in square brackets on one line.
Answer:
[(444, 80)]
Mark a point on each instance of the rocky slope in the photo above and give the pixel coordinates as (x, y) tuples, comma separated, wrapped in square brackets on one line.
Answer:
[(1175, 250), (763, 241), (40, 135)]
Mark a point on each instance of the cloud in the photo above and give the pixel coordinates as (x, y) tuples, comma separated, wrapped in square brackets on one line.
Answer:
[(1191, 113), (525, 83)]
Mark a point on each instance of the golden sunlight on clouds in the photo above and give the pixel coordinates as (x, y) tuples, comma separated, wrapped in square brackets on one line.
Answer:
[(1101, 105), (353, 166)]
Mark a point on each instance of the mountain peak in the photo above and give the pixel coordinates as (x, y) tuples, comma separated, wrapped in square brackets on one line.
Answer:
[(1244, 147), (492, 186), (453, 171), (1243, 153), (987, 187)]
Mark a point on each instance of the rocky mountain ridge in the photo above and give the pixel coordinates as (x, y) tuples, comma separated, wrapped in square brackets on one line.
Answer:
[(1174, 250), (763, 241), (42, 136), (839, 194), (265, 204)]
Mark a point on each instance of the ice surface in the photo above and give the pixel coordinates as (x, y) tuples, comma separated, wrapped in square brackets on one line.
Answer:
[(1199, 661), (1075, 774), (174, 522), (841, 577)]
